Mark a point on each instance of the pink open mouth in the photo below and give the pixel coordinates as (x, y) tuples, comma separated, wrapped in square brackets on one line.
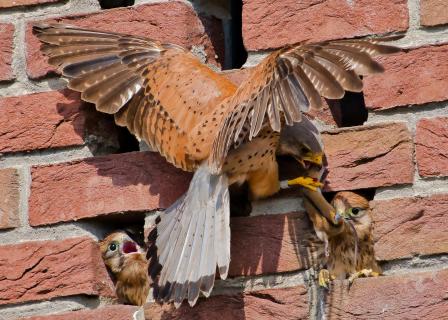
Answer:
[(129, 247)]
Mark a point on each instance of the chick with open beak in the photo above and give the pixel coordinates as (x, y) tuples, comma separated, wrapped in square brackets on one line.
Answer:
[(127, 262)]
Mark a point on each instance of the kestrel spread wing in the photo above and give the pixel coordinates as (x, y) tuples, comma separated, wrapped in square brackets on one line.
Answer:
[(186, 111), (199, 121)]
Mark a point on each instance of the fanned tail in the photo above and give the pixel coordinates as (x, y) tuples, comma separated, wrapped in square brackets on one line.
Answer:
[(191, 238)]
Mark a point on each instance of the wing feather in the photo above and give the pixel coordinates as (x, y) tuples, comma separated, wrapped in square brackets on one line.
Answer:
[(161, 92), (292, 80)]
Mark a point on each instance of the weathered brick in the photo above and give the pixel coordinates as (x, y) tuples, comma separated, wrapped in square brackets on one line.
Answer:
[(414, 77), (431, 147), (173, 22), (102, 185), (9, 195), (410, 226), (43, 120), (285, 304), (22, 3), (6, 49), (270, 244), (40, 270), (411, 296), (368, 156), (433, 12), (119, 312), (271, 24)]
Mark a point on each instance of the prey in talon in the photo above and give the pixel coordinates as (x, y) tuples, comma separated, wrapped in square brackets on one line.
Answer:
[(350, 243)]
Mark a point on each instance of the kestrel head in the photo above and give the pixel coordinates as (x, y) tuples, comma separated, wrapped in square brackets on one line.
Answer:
[(355, 209), (302, 142), (115, 247)]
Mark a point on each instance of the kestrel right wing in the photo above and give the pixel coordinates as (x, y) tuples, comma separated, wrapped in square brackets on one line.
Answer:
[(159, 91), (292, 80)]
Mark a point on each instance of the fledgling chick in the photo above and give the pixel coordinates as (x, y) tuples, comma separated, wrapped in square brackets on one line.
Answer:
[(127, 262), (350, 244)]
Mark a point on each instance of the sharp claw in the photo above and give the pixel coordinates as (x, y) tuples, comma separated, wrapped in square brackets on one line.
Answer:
[(324, 278), (306, 182)]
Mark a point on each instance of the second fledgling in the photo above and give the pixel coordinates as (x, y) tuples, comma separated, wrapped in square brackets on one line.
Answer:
[(127, 262), (349, 245)]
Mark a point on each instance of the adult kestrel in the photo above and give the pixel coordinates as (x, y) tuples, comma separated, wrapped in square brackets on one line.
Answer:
[(200, 121)]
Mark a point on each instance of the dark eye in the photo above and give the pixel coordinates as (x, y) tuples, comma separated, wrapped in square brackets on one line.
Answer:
[(355, 211), (113, 247), (305, 149)]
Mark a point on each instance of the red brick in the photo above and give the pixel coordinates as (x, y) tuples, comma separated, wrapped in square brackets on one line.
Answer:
[(411, 226), (41, 270), (272, 24), (411, 296), (431, 147), (173, 22), (119, 312), (22, 3), (433, 12), (102, 185), (368, 156), (414, 77), (43, 120), (270, 244), (6, 49), (285, 304), (9, 195)]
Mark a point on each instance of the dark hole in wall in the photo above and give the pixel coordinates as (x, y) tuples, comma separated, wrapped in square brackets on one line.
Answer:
[(109, 4), (130, 222), (240, 204), (103, 136), (237, 52), (368, 193), (350, 110)]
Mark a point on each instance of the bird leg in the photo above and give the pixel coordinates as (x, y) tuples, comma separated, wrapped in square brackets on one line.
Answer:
[(363, 273), (316, 205), (325, 277), (307, 182)]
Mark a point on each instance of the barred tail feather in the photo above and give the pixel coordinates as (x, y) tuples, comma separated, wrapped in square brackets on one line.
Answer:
[(192, 238)]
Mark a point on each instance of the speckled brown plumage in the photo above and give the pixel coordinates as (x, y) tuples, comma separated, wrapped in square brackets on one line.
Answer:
[(349, 255), (200, 121)]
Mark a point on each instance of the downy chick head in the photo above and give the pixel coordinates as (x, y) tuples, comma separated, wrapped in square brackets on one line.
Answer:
[(115, 247), (354, 208)]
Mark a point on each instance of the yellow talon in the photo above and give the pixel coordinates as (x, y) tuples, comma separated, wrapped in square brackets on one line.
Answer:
[(363, 273), (306, 182), (324, 278)]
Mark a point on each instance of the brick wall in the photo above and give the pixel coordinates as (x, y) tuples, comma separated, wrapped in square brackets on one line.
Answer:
[(64, 182)]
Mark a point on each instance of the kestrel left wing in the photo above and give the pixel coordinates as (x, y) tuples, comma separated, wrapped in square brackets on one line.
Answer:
[(160, 92), (290, 81)]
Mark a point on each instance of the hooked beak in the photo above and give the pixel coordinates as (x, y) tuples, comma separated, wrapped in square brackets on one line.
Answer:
[(314, 158)]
